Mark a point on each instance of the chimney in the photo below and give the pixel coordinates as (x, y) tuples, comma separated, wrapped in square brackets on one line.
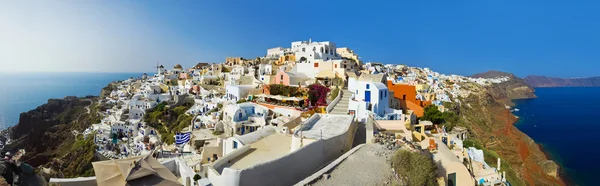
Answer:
[(498, 164)]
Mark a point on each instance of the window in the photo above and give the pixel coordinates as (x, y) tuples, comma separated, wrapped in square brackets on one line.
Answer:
[(281, 77), (316, 64), (385, 93), (367, 86), (380, 95), (335, 66), (235, 145), (303, 50)]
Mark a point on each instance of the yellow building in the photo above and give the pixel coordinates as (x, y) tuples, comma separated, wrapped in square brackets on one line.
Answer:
[(231, 61), (346, 52), (285, 58)]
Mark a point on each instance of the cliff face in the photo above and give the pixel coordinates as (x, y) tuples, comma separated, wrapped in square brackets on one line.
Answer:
[(514, 88), (47, 134), (542, 81), (491, 125)]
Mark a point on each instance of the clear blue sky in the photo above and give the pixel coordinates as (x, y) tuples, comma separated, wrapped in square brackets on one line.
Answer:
[(554, 38)]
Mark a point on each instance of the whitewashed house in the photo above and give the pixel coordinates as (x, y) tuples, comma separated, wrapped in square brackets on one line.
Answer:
[(237, 92), (369, 97)]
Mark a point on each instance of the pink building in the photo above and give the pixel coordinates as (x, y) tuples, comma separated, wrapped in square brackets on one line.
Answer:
[(289, 79)]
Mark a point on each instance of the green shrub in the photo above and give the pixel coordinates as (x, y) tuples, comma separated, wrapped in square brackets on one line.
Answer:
[(415, 169), (334, 93)]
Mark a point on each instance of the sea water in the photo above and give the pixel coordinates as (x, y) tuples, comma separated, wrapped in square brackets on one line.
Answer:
[(24, 91), (566, 122)]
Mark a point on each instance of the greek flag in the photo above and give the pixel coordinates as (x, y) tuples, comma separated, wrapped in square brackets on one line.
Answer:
[(181, 138)]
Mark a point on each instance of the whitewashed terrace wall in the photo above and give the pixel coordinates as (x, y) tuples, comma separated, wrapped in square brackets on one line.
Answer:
[(299, 164)]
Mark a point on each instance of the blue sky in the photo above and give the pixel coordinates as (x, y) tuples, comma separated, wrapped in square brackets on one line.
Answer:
[(551, 38)]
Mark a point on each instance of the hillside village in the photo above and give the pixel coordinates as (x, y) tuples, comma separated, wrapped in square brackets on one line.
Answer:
[(295, 116)]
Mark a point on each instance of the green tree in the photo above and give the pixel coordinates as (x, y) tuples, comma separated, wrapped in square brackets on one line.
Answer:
[(197, 177), (415, 169)]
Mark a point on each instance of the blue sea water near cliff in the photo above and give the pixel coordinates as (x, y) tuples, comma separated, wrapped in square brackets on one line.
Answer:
[(24, 91), (566, 122)]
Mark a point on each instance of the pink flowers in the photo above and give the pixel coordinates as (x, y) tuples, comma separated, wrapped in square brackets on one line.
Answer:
[(317, 94)]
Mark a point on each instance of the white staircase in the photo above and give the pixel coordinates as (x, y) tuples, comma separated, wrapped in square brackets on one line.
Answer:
[(342, 106)]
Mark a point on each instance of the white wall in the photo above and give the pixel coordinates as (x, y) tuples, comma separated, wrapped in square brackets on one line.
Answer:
[(237, 91), (287, 112), (300, 163), (228, 145), (379, 97), (228, 177), (352, 84)]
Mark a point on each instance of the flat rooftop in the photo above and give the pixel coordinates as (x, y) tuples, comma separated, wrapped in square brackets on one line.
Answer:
[(264, 150), (327, 126)]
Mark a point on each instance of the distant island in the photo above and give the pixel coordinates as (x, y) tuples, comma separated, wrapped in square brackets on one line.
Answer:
[(543, 81)]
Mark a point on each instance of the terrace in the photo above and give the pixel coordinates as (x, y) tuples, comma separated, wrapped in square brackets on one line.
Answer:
[(264, 150)]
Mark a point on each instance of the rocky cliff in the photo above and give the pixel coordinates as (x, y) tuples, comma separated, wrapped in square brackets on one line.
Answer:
[(542, 81), (491, 127), (514, 88), (50, 134)]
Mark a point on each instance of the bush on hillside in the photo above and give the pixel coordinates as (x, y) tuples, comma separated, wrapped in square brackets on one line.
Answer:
[(414, 168), (431, 113)]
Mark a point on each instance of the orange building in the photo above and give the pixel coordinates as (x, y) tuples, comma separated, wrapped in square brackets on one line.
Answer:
[(407, 97)]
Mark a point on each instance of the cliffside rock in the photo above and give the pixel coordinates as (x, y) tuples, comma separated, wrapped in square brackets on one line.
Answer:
[(550, 167), (491, 124), (514, 88), (45, 132), (542, 81)]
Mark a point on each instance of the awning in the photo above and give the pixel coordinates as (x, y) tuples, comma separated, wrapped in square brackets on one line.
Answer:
[(278, 97), (141, 170), (292, 99), (326, 74), (263, 95)]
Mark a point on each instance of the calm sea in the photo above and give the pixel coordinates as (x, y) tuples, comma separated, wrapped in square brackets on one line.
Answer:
[(566, 122), (21, 92)]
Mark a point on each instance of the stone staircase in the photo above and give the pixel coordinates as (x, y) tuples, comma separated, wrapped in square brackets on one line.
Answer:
[(342, 106)]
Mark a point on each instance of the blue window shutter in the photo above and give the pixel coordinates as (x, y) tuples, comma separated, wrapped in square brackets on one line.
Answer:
[(367, 86)]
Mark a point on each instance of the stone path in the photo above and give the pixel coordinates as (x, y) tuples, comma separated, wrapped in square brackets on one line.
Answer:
[(367, 166)]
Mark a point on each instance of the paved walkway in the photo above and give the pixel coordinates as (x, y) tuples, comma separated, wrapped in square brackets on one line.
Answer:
[(367, 166)]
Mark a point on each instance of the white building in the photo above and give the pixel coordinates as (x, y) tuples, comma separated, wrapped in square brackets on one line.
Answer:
[(276, 52), (244, 118), (369, 97), (308, 51), (237, 92)]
